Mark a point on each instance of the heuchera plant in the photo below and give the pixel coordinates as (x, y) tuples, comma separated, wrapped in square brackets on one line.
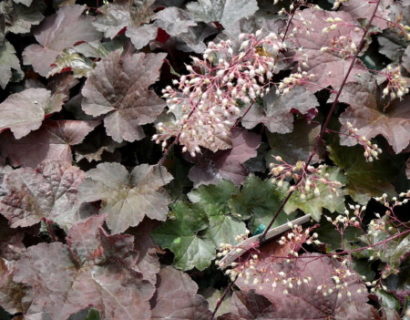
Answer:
[(204, 159)]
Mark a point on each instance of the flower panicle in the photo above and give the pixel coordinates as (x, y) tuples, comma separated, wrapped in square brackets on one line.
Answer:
[(307, 178), (207, 101)]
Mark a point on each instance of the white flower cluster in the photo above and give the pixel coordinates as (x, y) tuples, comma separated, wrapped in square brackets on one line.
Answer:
[(371, 150), (295, 79), (397, 85), (308, 179), (207, 99)]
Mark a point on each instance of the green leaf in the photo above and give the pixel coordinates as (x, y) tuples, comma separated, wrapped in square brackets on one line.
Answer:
[(214, 197), (259, 199), (334, 240), (8, 62), (314, 205), (214, 201), (224, 229), (180, 234), (364, 179), (195, 230), (388, 300), (294, 146)]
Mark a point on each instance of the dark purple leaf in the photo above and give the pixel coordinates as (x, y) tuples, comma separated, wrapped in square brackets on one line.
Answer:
[(227, 164), (366, 114), (176, 298), (320, 288), (56, 287), (276, 113), (52, 141)]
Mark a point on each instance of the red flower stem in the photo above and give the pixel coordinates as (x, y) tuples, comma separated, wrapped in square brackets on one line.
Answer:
[(323, 129), (292, 14), (222, 298)]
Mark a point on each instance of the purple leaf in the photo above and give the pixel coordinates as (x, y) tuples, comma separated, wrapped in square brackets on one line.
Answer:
[(56, 33), (128, 197), (174, 21), (406, 59), (276, 114), (332, 290), (249, 306), (52, 141), (177, 298), (83, 238), (227, 164), (226, 12), (366, 114), (10, 292), (324, 52), (56, 287), (363, 9), (49, 191), (135, 18), (118, 89), (147, 262), (24, 111)]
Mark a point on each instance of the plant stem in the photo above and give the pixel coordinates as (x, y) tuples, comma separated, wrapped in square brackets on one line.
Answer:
[(222, 298), (323, 129)]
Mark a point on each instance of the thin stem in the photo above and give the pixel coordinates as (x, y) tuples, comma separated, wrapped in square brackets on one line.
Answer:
[(323, 129), (289, 22), (319, 138), (222, 298)]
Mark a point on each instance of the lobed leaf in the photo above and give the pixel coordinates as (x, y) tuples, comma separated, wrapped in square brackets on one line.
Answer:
[(227, 164), (226, 12), (127, 197), (48, 192), (118, 89), (24, 111), (52, 141), (57, 32), (177, 298)]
